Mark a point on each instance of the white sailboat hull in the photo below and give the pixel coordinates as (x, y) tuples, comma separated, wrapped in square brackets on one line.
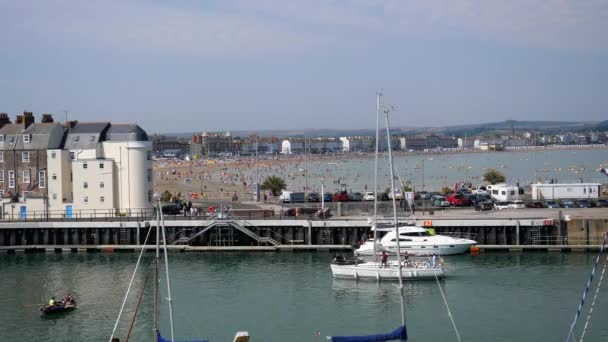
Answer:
[(374, 271)]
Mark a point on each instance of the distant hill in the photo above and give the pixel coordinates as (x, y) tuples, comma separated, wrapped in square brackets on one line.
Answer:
[(457, 130)]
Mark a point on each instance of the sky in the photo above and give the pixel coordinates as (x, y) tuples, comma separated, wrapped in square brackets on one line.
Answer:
[(194, 65)]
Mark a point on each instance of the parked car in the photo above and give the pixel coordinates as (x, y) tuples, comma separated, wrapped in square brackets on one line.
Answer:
[(313, 197), (517, 204), (582, 203), (440, 201), (424, 195), (536, 204), (398, 194), (356, 196), (551, 204), (480, 190), (568, 203), (369, 196), (457, 200), (172, 209), (501, 205), (341, 196), (484, 205), (383, 197), (328, 197), (601, 203)]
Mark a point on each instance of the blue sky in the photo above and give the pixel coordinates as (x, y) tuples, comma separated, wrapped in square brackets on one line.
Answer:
[(278, 64)]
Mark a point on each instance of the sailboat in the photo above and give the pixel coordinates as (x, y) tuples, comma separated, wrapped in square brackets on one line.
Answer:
[(400, 333), (242, 336)]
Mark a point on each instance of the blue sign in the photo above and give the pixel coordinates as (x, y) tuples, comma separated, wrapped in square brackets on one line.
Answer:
[(68, 211)]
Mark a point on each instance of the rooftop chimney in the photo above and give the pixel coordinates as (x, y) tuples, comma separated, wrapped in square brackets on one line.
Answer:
[(71, 124), (4, 119), (19, 120), (28, 119), (47, 118)]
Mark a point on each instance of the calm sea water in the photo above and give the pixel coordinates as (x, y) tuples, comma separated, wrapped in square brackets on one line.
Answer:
[(435, 171), (289, 297)]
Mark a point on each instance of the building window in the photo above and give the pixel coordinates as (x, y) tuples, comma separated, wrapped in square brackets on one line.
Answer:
[(11, 179), (54, 176), (54, 196), (72, 155), (53, 155), (101, 185), (1, 138), (1, 157), (25, 193), (149, 175), (102, 199), (26, 138), (86, 199), (149, 155), (76, 138), (85, 165), (25, 157), (1, 176), (92, 138), (1, 192), (26, 176), (150, 195), (86, 185), (42, 179), (101, 165)]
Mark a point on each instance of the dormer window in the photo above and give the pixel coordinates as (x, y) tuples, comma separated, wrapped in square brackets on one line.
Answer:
[(26, 138), (92, 138), (76, 138)]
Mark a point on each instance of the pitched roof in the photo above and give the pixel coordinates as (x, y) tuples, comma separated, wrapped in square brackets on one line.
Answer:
[(42, 136)]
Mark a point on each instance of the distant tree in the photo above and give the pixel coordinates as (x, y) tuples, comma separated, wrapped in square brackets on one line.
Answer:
[(446, 190), (166, 196), (275, 184), (493, 176)]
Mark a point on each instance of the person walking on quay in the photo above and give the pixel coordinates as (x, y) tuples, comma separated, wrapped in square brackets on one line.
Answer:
[(384, 259)]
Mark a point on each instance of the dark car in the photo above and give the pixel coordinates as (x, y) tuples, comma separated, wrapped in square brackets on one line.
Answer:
[(383, 197), (601, 203), (484, 205), (172, 209), (313, 197), (328, 197), (583, 203), (568, 204), (551, 204), (356, 196), (536, 204)]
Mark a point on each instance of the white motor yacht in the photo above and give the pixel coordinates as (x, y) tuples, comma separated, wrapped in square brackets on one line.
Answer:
[(416, 241)]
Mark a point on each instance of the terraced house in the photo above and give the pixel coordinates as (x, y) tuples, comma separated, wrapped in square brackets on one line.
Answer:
[(76, 170)]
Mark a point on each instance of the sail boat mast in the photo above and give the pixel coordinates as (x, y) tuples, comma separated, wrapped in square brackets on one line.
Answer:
[(169, 300), (158, 209), (390, 159), (374, 224)]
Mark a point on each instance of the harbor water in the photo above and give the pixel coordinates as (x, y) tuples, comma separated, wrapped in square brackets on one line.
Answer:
[(293, 297)]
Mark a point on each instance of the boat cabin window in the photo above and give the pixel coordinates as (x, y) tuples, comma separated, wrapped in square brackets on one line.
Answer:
[(402, 240), (425, 233)]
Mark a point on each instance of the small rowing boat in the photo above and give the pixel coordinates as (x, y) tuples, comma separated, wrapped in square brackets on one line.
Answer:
[(57, 308)]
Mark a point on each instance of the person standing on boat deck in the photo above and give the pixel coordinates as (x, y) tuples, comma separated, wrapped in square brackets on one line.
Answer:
[(384, 259), (52, 301)]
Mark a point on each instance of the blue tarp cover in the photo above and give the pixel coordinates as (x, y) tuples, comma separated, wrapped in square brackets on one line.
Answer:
[(161, 339), (399, 334)]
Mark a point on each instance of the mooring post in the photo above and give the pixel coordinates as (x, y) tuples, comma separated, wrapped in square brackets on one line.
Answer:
[(309, 232), (138, 227), (517, 232)]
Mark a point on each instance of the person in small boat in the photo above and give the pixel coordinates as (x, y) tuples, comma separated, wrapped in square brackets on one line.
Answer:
[(68, 299), (52, 301), (384, 259)]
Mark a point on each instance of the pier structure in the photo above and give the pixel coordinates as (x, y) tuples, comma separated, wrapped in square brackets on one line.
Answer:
[(235, 234)]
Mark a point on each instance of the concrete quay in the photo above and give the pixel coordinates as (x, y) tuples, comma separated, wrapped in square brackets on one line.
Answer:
[(525, 229)]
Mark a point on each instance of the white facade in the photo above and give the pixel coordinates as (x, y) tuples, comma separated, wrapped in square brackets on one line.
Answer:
[(59, 179), (285, 147), (133, 179), (93, 188)]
